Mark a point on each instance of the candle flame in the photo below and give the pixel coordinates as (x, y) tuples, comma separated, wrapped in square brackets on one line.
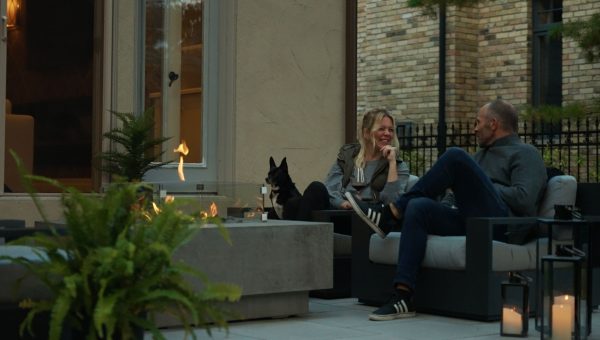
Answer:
[(183, 150)]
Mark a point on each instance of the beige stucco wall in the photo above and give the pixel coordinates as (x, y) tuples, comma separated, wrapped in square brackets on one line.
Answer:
[(289, 87)]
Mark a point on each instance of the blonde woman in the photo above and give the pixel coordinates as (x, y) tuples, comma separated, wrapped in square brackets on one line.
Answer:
[(373, 163), (370, 169)]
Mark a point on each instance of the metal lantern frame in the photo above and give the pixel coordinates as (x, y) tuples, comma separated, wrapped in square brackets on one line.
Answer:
[(514, 320), (563, 276)]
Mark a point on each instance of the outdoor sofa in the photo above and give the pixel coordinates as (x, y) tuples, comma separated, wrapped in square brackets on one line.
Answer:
[(461, 275)]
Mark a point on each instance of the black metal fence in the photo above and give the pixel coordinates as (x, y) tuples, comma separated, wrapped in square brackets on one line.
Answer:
[(570, 145)]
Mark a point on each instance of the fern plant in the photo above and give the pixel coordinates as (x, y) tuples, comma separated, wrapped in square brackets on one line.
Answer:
[(113, 269), (133, 146)]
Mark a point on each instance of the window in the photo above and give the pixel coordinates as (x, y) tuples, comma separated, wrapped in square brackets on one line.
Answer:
[(547, 53)]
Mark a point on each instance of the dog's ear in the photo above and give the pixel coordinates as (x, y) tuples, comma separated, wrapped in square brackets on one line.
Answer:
[(283, 164), (272, 162)]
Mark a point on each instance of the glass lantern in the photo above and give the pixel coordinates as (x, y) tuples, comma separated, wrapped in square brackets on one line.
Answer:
[(515, 306), (562, 307)]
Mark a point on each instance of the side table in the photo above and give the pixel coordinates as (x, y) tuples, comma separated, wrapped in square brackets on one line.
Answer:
[(581, 230)]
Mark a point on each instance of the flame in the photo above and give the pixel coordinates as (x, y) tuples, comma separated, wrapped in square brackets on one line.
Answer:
[(156, 208), (214, 212), (183, 150)]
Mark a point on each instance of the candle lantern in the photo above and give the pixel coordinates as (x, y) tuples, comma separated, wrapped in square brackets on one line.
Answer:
[(563, 312), (515, 306)]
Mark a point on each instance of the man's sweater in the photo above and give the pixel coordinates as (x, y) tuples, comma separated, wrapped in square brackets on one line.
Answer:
[(517, 171)]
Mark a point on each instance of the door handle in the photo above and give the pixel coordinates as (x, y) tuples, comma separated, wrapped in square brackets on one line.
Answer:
[(3, 27), (172, 77)]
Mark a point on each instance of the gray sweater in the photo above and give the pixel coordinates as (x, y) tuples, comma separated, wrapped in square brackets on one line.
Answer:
[(517, 171)]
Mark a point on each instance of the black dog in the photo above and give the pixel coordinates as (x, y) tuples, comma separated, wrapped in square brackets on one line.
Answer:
[(282, 187)]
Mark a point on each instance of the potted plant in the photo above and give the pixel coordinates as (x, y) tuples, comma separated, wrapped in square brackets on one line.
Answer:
[(112, 269), (133, 150)]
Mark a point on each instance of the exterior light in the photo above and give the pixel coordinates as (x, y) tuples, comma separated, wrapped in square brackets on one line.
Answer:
[(12, 13)]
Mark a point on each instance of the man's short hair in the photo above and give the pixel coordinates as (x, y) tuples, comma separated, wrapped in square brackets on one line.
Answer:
[(506, 114)]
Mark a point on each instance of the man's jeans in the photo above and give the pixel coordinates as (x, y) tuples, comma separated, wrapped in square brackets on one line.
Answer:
[(422, 214)]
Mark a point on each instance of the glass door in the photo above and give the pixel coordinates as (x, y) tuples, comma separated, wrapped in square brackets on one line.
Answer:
[(47, 80), (174, 79)]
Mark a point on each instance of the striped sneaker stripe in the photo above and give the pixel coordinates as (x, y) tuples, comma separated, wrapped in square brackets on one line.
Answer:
[(374, 216), (368, 215), (401, 307)]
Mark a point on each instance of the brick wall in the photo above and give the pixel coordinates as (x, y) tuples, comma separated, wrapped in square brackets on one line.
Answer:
[(504, 51), (581, 79), (489, 53), (397, 60)]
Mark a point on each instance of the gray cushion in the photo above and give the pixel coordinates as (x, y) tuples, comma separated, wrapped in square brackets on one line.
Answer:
[(560, 190), (449, 252)]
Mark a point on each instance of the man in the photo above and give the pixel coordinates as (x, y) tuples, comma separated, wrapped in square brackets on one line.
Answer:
[(504, 178)]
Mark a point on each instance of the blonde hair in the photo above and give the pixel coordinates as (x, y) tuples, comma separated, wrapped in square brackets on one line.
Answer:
[(371, 121)]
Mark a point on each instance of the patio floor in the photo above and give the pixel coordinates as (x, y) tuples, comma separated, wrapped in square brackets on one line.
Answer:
[(347, 319)]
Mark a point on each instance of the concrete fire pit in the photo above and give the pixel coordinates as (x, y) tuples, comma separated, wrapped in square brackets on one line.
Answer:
[(275, 263)]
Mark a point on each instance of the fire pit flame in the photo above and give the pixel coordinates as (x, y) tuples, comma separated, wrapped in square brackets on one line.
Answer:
[(183, 150)]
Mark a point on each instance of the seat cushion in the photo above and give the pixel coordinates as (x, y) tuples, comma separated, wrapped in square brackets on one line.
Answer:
[(449, 252), (342, 245)]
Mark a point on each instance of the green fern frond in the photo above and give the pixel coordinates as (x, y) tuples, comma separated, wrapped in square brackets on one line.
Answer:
[(61, 308), (115, 264), (133, 146)]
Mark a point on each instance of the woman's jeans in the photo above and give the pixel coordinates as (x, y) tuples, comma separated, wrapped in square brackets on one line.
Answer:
[(423, 214), (315, 197)]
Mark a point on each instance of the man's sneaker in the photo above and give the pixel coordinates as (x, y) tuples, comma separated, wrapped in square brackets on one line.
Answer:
[(397, 307), (376, 215)]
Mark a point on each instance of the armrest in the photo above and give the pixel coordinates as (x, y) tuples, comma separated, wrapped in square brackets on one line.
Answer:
[(480, 234)]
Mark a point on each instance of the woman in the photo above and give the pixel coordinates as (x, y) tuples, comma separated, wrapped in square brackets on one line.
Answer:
[(375, 157), (372, 165)]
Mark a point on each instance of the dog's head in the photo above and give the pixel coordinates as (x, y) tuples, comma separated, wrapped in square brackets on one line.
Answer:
[(277, 174)]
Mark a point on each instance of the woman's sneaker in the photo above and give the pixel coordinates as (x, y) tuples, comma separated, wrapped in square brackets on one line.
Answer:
[(378, 216), (397, 307)]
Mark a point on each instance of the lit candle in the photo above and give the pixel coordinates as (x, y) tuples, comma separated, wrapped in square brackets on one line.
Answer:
[(512, 322), (567, 300), (562, 321)]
